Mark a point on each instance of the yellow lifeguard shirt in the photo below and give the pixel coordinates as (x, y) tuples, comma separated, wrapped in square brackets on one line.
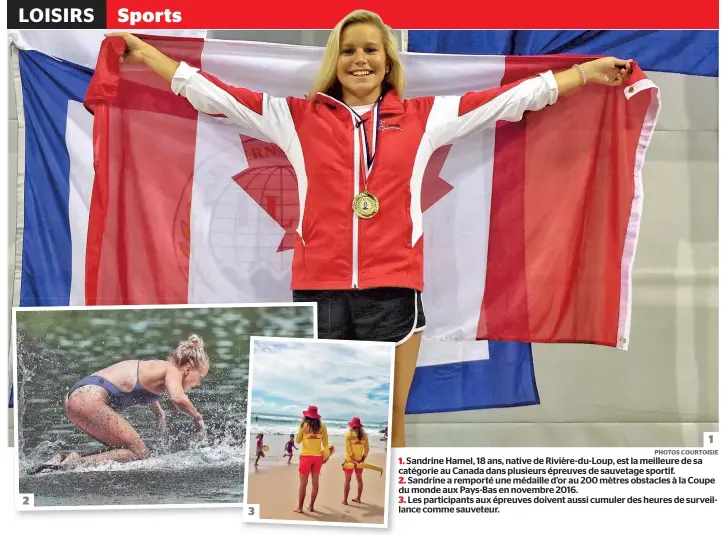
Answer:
[(312, 443), (355, 448)]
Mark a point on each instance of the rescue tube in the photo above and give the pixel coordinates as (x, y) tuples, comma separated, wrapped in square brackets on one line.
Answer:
[(328, 452), (366, 466)]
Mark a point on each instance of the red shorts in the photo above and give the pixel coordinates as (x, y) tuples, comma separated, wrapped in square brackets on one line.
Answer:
[(350, 470), (310, 463)]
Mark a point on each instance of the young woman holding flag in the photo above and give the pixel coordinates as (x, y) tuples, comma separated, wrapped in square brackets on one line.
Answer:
[(359, 150)]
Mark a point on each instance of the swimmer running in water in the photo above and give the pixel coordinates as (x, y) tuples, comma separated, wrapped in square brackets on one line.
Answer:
[(259, 448), (94, 403), (290, 447)]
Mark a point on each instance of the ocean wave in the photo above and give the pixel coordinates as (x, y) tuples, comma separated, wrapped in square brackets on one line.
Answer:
[(296, 419), (289, 430), (216, 456)]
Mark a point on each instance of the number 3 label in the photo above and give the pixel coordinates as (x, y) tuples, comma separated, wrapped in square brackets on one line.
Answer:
[(252, 512)]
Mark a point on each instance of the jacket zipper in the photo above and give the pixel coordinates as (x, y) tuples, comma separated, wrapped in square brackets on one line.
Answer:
[(355, 218)]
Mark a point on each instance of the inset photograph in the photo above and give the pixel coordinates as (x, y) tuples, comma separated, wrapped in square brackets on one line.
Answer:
[(319, 414), (137, 407)]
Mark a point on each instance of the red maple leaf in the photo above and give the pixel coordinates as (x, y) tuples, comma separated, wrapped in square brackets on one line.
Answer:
[(434, 187), (270, 181)]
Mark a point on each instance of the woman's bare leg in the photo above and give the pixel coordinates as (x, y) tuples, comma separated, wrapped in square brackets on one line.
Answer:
[(88, 411), (314, 490), (347, 487), (405, 363), (303, 481), (360, 487)]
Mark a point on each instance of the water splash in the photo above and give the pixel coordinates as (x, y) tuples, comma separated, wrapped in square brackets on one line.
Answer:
[(199, 455), (40, 454), (214, 456)]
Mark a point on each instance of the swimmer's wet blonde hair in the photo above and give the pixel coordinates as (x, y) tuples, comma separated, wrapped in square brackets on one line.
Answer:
[(190, 352), (326, 78)]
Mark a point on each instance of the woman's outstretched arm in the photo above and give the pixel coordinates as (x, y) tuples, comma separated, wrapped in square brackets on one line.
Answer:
[(138, 52), (457, 116), (260, 115), (604, 71)]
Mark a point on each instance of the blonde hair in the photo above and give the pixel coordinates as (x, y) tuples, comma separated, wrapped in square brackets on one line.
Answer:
[(326, 78), (190, 352)]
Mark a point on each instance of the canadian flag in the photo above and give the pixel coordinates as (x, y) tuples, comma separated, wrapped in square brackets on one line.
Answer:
[(530, 228)]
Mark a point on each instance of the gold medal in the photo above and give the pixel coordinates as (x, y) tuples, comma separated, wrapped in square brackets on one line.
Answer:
[(365, 205)]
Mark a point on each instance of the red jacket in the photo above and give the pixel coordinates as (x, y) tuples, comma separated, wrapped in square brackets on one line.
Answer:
[(322, 138)]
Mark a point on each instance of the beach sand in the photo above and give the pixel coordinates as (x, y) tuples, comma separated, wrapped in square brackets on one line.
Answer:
[(274, 487)]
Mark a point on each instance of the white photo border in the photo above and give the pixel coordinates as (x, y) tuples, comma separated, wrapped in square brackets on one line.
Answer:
[(19, 497), (256, 517)]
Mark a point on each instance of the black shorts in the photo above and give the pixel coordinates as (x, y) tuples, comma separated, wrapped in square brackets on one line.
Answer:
[(376, 314)]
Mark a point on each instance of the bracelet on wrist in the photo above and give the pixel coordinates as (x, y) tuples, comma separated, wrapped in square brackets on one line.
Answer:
[(581, 71)]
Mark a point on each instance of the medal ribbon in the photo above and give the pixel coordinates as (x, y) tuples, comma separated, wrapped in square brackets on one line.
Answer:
[(369, 152)]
